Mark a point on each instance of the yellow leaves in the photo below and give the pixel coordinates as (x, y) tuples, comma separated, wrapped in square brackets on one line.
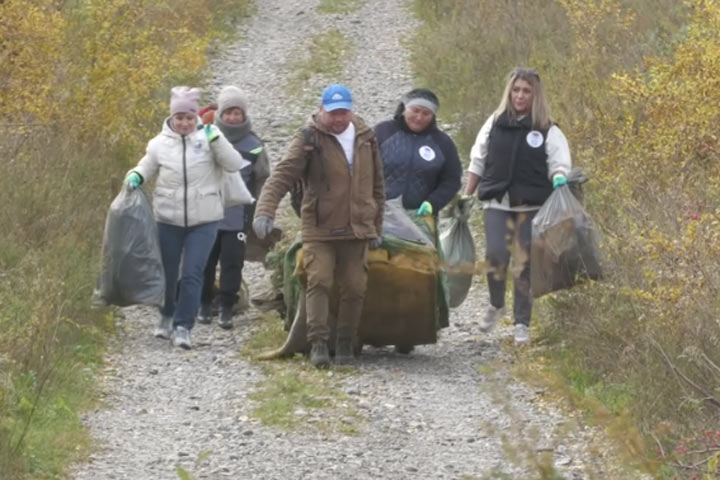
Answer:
[(105, 64), (30, 33)]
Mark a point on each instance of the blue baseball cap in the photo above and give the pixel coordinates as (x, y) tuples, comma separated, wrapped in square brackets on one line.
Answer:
[(336, 97)]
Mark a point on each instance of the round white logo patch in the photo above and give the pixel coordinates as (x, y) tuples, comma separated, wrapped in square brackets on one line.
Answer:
[(535, 139), (427, 153)]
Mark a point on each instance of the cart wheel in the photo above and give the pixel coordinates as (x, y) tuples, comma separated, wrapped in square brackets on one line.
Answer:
[(404, 349)]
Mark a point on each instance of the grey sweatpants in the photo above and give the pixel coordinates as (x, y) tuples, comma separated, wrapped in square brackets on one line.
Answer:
[(507, 232)]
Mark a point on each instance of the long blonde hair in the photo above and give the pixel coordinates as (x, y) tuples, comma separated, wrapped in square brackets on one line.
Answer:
[(540, 112)]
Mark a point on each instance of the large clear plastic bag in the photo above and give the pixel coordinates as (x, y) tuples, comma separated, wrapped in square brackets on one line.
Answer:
[(564, 248), (132, 271), (398, 224), (458, 248)]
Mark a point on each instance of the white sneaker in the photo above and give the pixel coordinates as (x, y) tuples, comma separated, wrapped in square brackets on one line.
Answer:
[(182, 338), (491, 317), (522, 334), (164, 328)]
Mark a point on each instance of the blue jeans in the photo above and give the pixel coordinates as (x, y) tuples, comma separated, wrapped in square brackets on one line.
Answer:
[(193, 245)]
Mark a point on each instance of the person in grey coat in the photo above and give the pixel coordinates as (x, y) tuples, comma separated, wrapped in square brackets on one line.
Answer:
[(233, 121)]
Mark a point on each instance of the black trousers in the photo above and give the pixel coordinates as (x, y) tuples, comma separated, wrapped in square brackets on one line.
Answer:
[(229, 249)]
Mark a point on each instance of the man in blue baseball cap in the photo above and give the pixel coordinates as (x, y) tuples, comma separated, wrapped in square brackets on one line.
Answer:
[(336, 157), (336, 97)]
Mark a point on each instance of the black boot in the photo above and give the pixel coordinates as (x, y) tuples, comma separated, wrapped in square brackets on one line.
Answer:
[(319, 355), (226, 317), (344, 351), (205, 316)]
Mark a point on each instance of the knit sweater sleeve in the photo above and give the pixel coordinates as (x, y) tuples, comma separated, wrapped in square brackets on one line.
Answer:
[(479, 150), (558, 152)]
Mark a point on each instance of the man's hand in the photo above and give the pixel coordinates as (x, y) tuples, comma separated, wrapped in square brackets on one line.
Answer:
[(263, 226), (559, 180), (133, 180), (375, 243)]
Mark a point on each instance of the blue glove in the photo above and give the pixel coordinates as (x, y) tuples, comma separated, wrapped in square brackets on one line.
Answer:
[(425, 209), (133, 180), (375, 243), (263, 226), (559, 180), (211, 132)]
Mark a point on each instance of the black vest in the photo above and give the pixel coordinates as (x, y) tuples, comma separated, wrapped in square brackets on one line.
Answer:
[(516, 163)]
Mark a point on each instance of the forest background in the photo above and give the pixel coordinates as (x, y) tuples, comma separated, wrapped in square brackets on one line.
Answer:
[(633, 84)]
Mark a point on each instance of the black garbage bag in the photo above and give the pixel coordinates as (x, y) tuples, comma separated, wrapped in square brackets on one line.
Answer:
[(132, 271), (458, 248), (575, 180), (565, 247)]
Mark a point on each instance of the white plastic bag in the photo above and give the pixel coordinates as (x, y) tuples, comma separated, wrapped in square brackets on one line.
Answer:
[(234, 191)]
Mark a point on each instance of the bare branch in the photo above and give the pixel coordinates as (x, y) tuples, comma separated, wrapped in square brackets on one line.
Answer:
[(679, 375)]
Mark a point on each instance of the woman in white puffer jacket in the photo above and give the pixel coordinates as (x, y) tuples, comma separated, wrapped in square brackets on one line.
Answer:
[(189, 162)]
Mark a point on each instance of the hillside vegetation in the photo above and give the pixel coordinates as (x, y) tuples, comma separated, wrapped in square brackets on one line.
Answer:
[(84, 85), (634, 85)]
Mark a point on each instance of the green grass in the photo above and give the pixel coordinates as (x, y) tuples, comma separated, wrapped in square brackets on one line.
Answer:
[(294, 395), (325, 56), (42, 427), (339, 6)]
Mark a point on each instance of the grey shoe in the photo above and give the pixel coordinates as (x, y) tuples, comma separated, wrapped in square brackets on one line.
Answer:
[(319, 355), (182, 338), (522, 334), (205, 316), (344, 354), (226, 318), (491, 317), (164, 328)]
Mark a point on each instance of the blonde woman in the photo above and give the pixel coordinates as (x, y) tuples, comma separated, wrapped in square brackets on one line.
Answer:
[(519, 156)]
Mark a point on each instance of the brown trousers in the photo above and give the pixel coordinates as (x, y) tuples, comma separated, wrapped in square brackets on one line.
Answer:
[(343, 262)]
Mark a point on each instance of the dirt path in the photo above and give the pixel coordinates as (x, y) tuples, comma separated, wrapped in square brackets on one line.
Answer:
[(449, 410)]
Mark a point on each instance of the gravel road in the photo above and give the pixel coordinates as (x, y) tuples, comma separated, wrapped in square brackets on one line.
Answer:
[(450, 410)]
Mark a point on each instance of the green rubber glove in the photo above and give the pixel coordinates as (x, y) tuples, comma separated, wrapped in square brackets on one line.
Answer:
[(133, 180), (559, 180), (211, 132), (425, 209)]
